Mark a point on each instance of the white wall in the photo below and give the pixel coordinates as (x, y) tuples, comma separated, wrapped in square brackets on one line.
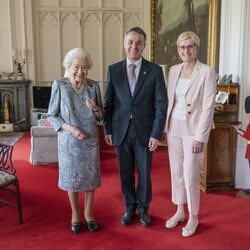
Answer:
[(235, 59), (5, 38)]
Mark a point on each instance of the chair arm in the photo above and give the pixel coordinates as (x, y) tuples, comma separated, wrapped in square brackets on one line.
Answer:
[(39, 131)]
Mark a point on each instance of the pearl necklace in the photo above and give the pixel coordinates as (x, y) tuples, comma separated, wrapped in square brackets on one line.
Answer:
[(77, 89)]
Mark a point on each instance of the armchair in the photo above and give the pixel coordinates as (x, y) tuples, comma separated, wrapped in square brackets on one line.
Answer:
[(43, 144), (8, 180)]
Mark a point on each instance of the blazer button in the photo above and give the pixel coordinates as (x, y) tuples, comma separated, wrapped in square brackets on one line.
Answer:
[(189, 112), (189, 105)]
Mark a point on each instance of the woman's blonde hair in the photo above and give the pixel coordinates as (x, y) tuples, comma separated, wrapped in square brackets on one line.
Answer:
[(188, 35)]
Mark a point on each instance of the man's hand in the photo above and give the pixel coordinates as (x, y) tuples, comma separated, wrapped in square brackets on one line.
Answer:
[(153, 144), (108, 140)]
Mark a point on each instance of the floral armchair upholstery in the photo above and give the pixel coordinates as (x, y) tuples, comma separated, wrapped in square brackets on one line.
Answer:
[(8, 181)]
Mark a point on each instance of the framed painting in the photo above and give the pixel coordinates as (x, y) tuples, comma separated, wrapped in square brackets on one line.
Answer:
[(170, 17)]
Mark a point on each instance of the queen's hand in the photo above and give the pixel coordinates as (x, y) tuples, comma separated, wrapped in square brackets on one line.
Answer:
[(91, 105)]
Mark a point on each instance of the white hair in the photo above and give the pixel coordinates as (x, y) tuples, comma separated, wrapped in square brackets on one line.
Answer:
[(76, 53)]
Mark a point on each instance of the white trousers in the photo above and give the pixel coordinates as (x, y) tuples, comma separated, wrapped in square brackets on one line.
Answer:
[(185, 167)]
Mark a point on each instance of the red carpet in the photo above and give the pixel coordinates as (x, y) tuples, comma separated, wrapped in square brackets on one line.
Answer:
[(224, 219)]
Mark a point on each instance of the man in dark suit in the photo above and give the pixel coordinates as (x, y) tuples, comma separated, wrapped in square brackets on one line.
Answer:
[(135, 110)]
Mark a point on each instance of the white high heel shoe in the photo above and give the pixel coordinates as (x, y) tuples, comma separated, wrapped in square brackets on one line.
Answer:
[(187, 232), (173, 223)]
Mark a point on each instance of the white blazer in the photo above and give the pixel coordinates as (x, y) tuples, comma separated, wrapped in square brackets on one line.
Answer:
[(199, 99)]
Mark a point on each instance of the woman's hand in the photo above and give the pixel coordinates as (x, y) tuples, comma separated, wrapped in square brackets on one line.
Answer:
[(236, 126), (92, 105), (76, 132), (197, 147)]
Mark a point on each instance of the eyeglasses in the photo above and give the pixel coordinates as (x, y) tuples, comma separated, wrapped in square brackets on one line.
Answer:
[(188, 47)]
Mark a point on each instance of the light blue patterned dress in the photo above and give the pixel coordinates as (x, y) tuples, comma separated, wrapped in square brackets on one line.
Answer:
[(79, 161)]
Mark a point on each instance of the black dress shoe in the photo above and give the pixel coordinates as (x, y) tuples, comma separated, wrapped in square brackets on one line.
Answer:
[(76, 227), (145, 219), (127, 218), (92, 226)]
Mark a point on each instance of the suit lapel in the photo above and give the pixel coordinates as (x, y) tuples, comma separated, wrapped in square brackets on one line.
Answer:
[(144, 71), (194, 75), (124, 81), (176, 76)]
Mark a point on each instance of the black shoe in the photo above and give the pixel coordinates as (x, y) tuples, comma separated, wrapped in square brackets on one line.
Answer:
[(145, 219), (127, 218), (76, 227), (92, 226)]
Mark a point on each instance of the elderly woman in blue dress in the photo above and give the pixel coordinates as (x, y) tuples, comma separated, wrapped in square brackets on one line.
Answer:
[(74, 108)]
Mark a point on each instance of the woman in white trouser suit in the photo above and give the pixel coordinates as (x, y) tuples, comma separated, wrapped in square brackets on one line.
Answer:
[(191, 94)]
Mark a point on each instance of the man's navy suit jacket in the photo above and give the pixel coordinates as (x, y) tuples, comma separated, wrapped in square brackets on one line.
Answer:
[(147, 107)]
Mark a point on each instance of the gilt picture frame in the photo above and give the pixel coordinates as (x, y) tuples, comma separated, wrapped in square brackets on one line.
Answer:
[(170, 17)]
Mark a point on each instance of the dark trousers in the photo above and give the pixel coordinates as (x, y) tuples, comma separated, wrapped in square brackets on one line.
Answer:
[(130, 155)]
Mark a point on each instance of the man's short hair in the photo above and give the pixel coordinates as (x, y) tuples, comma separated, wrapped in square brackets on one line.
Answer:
[(137, 30)]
